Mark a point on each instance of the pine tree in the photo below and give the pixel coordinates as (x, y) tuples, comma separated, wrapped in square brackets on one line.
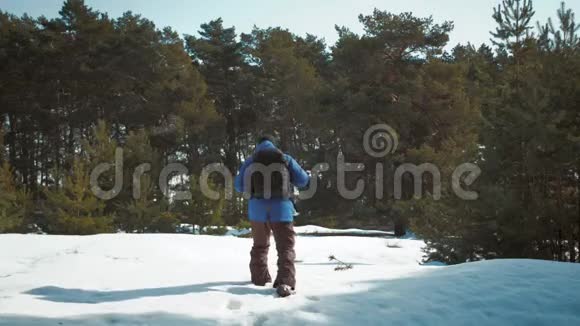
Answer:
[(150, 211), (201, 210), (218, 55), (511, 109), (514, 24), (391, 74), (146, 214), (528, 189), (288, 84), (557, 151), (73, 208), (444, 222), (15, 203), (562, 38)]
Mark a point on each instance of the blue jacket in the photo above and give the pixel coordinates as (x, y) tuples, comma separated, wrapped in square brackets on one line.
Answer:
[(274, 209)]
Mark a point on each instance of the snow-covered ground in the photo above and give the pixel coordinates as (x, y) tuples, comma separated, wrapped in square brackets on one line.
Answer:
[(301, 230), (319, 230), (128, 279)]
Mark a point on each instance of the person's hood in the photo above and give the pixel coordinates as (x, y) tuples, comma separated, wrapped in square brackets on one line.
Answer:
[(265, 145)]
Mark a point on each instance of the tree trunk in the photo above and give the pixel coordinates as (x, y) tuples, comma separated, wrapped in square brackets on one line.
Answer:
[(11, 139), (230, 148), (578, 209)]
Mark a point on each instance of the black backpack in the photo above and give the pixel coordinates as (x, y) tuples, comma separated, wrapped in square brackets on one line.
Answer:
[(277, 168)]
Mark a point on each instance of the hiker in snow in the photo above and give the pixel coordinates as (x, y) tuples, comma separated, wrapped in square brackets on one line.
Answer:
[(269, 177)]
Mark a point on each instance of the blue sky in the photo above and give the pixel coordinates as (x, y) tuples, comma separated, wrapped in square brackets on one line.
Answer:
[(472, 17)]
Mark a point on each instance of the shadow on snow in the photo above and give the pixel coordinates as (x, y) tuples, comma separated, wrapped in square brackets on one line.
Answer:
[(57, 294)]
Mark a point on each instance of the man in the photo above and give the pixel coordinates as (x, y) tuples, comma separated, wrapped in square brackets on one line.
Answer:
[(271, 210)]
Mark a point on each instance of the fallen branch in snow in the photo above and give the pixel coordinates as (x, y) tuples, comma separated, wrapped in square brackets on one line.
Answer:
[(341, 266)]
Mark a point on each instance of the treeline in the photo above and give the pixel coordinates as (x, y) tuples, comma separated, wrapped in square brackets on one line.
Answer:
[(75, 88)]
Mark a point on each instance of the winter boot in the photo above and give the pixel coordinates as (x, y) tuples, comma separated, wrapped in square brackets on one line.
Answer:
[(284, 290)]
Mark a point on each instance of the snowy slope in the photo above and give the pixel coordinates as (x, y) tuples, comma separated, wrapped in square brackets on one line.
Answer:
[(126, 279)]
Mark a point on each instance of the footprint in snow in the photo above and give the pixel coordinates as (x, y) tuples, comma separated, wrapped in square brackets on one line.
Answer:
[(234, 305)]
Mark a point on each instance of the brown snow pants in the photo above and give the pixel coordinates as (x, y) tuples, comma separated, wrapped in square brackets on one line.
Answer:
[(285, 238)]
